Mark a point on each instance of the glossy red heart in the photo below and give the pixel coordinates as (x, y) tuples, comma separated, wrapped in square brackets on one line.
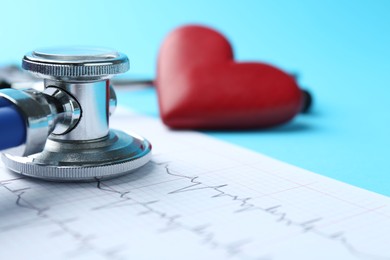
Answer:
[(200, 86)]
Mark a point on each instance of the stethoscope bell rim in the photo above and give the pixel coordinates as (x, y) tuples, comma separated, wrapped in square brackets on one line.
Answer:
[(75, 63), (117, 155)]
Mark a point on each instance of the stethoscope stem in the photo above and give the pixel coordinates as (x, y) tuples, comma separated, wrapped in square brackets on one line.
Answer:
[(12, 126)]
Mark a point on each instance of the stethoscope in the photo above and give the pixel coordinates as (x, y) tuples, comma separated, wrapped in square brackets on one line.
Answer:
[(62, 133)]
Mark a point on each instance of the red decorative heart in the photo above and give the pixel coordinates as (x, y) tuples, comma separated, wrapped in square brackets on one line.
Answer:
[(201, 86)]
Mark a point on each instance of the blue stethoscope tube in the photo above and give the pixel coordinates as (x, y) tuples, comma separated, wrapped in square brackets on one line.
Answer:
[(12, 125)]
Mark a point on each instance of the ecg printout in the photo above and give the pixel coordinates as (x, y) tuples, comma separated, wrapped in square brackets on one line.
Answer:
[(199, 198)]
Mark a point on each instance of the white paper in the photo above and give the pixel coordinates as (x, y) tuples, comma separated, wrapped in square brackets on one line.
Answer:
[(199, 198)]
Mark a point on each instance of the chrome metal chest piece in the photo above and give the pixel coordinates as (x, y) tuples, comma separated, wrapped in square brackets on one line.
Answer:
[(68, 136)]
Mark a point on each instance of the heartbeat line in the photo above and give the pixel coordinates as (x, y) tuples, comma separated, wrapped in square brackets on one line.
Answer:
[(43, 218), (173, 222), (244, 204)]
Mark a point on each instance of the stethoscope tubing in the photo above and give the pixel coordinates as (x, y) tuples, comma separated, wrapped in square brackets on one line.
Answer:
[(12, 125)]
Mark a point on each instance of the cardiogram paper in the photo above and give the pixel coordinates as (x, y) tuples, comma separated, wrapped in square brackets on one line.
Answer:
[(199, 198)]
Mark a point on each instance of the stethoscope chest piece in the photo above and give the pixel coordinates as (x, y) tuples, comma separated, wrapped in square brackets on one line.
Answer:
[(67, 125)]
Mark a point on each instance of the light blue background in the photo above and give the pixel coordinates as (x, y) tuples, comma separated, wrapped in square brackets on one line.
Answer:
[(340, 49)]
